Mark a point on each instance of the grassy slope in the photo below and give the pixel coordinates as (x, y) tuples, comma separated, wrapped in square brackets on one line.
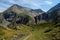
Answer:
[(38, 32), (9, 33)]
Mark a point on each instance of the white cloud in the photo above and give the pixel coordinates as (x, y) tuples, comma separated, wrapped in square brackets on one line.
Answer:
[(49, 2), (28, 3), (3, 7), (31, 2), (11, 1), (35, 4)]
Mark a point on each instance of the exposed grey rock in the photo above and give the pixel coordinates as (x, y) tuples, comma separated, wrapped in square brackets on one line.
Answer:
[(17, 28), (16, 37), (15, 18), (41, 18)]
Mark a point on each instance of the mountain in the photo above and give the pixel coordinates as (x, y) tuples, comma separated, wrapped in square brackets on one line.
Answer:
[(41, 25), (54, 8), (25, 15), (19, 9), (54, 12), (51, 15), (36, 11), (22, 15)]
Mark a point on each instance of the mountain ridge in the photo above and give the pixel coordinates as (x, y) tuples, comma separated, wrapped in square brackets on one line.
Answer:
[(54, 7), (16, 7)]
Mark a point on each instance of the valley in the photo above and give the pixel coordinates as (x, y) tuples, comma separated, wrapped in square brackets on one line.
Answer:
[(22, 23)]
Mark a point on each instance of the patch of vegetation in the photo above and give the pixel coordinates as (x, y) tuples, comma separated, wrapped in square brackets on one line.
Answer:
[(2, 32), (9, 33), (45, 31)]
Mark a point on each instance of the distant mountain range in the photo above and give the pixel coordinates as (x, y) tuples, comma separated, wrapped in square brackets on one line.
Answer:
[(23, 15)]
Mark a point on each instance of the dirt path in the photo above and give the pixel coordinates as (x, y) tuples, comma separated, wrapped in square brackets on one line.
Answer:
[(18, 36), (27, 37)]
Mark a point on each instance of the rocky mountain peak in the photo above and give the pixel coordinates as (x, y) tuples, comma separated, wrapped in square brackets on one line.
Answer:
[(20, 9), (54, 8), (15, 5)]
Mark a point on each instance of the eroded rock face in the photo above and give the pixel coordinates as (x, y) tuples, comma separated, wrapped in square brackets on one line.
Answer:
[(42, 18), (13, 17), (23, 20), (54, 12), (53, 16), (10, 16)]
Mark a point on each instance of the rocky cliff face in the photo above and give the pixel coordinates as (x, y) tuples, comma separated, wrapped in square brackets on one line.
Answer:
[(54, 12), (42, 18), (15, 18), (50, 16), (3, 22)]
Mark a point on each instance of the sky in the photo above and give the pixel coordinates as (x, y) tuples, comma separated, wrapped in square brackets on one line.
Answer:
[(45, 5)]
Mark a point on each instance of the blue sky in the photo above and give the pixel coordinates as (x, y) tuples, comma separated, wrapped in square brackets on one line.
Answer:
[(34, 4)]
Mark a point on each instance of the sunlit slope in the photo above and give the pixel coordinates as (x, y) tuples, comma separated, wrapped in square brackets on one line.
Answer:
[(46, 31), (8, 33)]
